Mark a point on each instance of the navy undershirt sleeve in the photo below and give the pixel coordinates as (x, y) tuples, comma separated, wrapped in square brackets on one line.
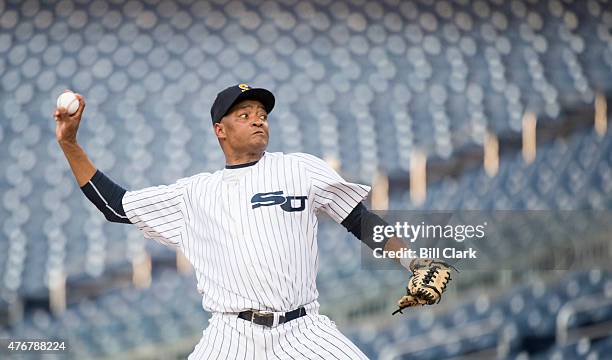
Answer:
[(360, 222), (107, 197)]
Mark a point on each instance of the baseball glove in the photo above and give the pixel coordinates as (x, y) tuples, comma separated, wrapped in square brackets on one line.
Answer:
[(427, 283)]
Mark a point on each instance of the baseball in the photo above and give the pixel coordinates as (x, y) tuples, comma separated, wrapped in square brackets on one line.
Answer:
[(68, 101)]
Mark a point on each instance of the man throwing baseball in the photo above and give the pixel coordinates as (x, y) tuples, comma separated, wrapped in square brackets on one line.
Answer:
[(249, 230)]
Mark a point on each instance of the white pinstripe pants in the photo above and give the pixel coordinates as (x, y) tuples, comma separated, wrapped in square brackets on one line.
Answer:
[(312, 336)]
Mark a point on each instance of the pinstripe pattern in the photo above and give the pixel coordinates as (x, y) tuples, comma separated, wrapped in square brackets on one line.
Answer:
[(313, 336), (333, 195), (252, 257)]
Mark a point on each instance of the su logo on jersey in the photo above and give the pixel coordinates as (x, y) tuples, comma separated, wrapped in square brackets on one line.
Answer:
[(277, 198)]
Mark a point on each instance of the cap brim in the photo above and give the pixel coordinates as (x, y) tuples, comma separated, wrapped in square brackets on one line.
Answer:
[(265, 97)]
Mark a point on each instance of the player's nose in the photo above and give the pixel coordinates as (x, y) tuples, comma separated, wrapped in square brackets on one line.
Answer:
[(257, 121)]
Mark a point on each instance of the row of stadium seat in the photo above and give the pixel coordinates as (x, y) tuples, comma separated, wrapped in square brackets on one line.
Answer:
[(524, 318), (568, 174), (121, 320)]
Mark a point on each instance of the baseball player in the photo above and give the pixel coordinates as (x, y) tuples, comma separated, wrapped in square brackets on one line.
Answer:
[(249, 230)]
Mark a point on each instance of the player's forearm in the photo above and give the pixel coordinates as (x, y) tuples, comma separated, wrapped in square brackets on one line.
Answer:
[(82, 167), (396, 244), (361, 222)]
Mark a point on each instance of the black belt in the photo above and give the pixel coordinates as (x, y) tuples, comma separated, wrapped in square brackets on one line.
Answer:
[(268, 318)]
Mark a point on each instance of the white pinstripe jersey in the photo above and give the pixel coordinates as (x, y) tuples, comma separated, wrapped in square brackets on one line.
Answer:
[(252, 241)]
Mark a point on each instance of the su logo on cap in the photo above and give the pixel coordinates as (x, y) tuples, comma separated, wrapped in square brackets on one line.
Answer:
[(244, 87)]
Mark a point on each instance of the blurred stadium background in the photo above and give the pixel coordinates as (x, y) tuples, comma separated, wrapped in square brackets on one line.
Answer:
[(485, 104)]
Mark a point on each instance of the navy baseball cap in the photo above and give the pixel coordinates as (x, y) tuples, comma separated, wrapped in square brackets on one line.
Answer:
[(234, 94)]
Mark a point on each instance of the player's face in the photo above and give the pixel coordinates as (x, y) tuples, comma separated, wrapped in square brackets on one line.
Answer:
[(245, 127)]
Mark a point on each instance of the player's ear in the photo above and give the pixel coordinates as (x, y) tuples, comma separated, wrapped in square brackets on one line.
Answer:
[(219, 131)]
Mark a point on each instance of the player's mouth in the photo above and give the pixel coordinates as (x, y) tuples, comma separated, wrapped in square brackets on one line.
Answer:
[(259, 132)]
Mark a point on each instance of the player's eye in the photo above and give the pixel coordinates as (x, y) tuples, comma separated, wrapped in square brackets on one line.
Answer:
[(243, 116), (263, 117)]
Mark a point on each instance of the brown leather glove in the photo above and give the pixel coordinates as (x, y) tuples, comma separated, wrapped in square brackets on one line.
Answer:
[(427, 283)]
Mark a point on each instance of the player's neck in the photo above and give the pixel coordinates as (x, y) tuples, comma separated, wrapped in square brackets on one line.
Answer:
[(239, 159)]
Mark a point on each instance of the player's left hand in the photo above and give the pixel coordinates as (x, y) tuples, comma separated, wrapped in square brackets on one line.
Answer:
[(427, 283)]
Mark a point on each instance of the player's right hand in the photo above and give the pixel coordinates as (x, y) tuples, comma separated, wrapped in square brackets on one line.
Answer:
[(66, 126)]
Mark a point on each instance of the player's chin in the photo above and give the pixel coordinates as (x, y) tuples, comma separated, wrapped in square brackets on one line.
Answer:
[(260, 142)]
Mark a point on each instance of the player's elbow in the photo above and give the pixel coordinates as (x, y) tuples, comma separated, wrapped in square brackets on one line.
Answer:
[(107, 197), (115, 218)]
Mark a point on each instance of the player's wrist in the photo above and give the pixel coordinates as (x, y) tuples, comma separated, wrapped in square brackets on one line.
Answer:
[(68, 142), (405, 262)]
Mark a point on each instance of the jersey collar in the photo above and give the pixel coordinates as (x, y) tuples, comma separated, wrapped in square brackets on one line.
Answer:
[(238, 166)]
